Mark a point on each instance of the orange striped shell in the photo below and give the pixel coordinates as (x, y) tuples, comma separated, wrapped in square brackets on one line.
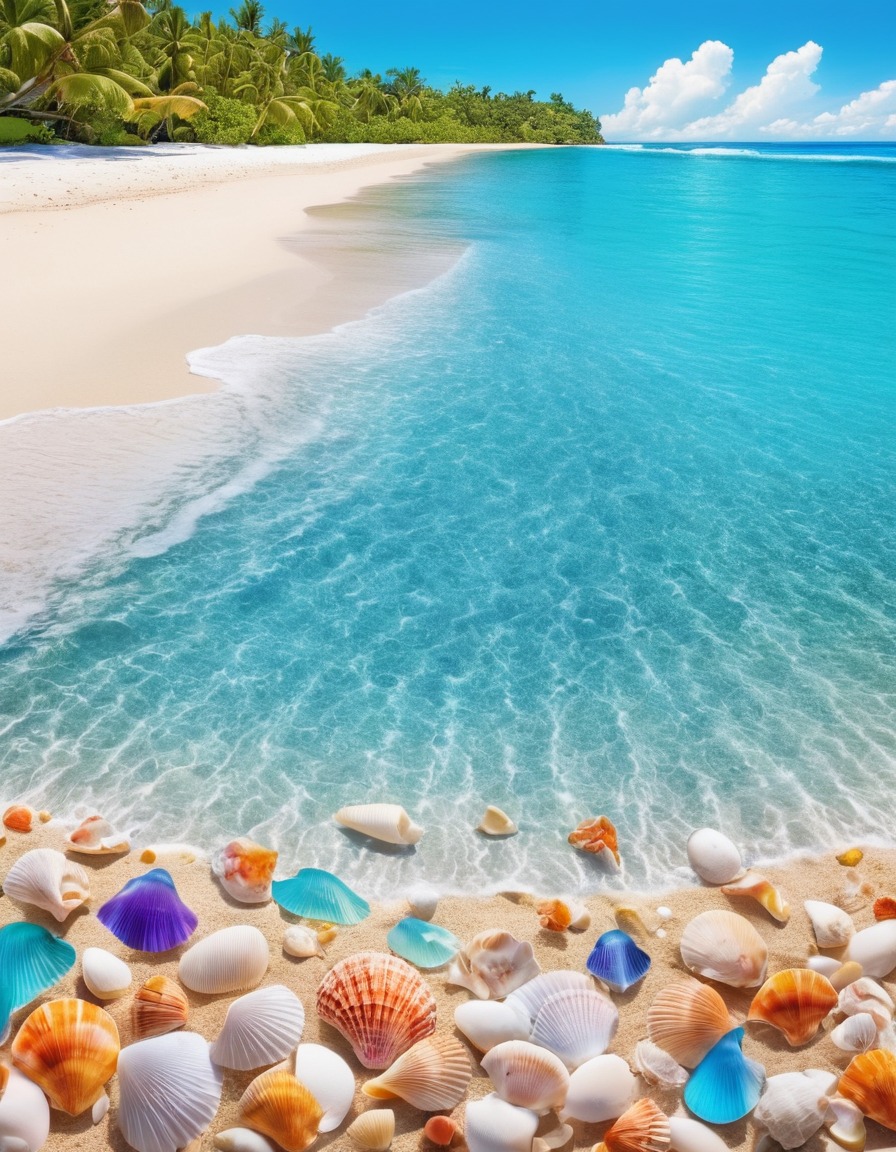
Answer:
[(158, 1007), (870, 1082), (642, 1128), (686, 1019), (795, 1002), (280, 1106)]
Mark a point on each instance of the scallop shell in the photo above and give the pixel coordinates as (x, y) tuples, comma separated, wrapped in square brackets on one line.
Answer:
[(440, 1130), (169, 1091), (242, 1140), (105, 975), (386, 822), (866, 995), (245, 870), (856, 1034), (160, 1006), (301, 942), (24, 1114), (497, 823), (870, 1082), (18, 818), (279, 1106), (70, 1048), (600, 1089), (723, 946), (875, 949), (884, 908), (96, 837), (424, 944), (792, 1108), (795, 1001), (493, 964), (31, 960), (529, 998), (657, 1066), (379, 1003), (846, 1124), (598, 836), (319, 895), (758, 888), (486, 1023), (229, 960), (576, 1025), (432, 1076), (527, 1076), (493, 1125), (832, 926), (259, 1029), (373, 1131), (714, 857), (618, 961), (642, 1128), (686, 1019), (45, 878), (148, 915), (329, 1080), (689, 1135), (725, 1085)]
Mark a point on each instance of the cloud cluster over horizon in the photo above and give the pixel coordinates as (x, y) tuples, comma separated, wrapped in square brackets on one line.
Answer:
[(681, 101)]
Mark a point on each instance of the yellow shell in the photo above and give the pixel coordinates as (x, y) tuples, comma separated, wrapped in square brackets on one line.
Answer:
[(870, 1082), (850, 857), (70, 1049), (642, 1128), (686, 1019), (433, 1075), (795, 1002), (160, 1006), (372, 1131), (279, 1106)]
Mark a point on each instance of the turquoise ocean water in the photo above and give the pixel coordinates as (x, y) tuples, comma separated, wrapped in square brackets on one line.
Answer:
[(599, 522)]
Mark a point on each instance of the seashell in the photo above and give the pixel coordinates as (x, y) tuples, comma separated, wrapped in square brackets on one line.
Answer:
[(24, 1114), (431, 1076), (386, 822), (617, 960), (486, 1023), (792, 1108), (44, 816), (856, 1034), (329, 1080), (158, 1007), (846, 974), (600, 1089), (528, 999), (242, 1140), (725, 1085), (43, 877), (493, 1125), (795, 1001), (373, 1131), (723, 946), (875, 949), (279, 1106), (105, 975), (423, 901), (181, 853), (826, 1081), (870, 1083), (557, 1136), (832, 926), (70, 1048), (686, 1019), (96, 837), (379, 1003), (855, 892), (850, 857), (527, 1076), (714, 857), (169, 1091), (245, 870), (497, 823), (18, 818), (558, 915), (657, 1066), (229, 960), (493, 964), (31, 960), (423, 944), (689, 1135), (100, 1109), (884, 908), (302, 942), (259, 1029), (865, 995), (148, 915), (642, 1128), (826, 965), (319, 895), (576, 1025), (440, 1130), (758, 888), (638, 922), (846, 1124), (598, 836)]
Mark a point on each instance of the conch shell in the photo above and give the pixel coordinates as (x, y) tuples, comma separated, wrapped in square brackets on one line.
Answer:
[(597, 835), (279, 1106), (723, 946), (95, 836), (642, 1128), (497, 823), (245, 870), (386, 822), (795, 1002), (493, 964), (758, 888), (43, 877), (433, 1075)]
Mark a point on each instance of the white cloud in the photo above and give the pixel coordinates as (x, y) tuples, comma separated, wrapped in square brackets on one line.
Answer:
[(868, 116)]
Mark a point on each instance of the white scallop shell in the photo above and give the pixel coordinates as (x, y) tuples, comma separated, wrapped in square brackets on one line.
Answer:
[(865, 995), (373, 1131), (832, 926), (45, 878), (298, 940), (329, 1079), (105, 975), (387, 822), (723, 946), (169, 1091), (496, 822), (433, 1075), (657, 1066), (227, 961), (875, 949), (242, 1140), (423, 901), (493, 964), (856, 1034), (493, 1125), (532, 995), (576, 1025), (714, 857), (527, 1076), (792, 1108), (24, 1113), (601, 1089), (689, 1135), (259, 1029), (486, 1023)]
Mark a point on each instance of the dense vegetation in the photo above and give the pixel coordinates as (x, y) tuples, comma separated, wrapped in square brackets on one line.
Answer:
[(122, 73)]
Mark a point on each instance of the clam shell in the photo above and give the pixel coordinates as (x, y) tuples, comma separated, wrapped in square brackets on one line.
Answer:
[(96, 837), (495, 822), (148, 915), (319, 895), (687, 1135), (600, 1089), (169, 1091), (245, 870), (158, 1007), (832, 926), (714, 857), (530, 997), (329, 1080), (792, 1108), (486, 1023), (440, 1130), (433, 1075), (870, 1083), (379, 1003), (865, 995), (386, 822), (686, 1019), (24, 1114), (576, 1025), (493, 964), (725, 1085), (856, 1034), (642, 1128), (242, 1140), (527, 1076), (302, 942), (278, 1105), (229, 960), (657, 1066), (45, 878), (795, 1001), (758, 888), (105, 975), (259, 1029), (875, 949), (372, 1131), (31, 960), (493, 1125), (723, 946)]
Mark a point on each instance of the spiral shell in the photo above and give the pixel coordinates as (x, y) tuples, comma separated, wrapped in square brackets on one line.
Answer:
[(45, 878), (158, 1007), (723, 946), (278, 1105), (432, 1076), (527, 1076), (229, 960), (795, 1001), (686, 1019)]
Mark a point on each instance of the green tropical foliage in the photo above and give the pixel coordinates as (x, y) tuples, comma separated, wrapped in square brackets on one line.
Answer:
[(119, 72)]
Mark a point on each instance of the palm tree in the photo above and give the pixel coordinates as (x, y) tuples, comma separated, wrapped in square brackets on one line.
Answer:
[(369, 97), (171, 39), (408, 87), (248, 16), (333, 68), (300, 41)]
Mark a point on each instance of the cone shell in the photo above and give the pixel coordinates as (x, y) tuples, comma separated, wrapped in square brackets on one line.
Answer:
[(18, 818), (387, 822), (723, 946), (95, 836), (493, 1125), (379, 1003), (24, 1113), (642, 1128), (495, 822), (259, 1029), (160, 1006), (70, 1048), (227, 961), (686, 1019), (105, 975), (45, 878), (329, 1079), (431, 1076), (372, 1131), (440, 1130), (870, 1082), (795, 1002), (833, 927), (792, 1108), (493, 964), (278, 1105), (486, 1023), (576, 1025), (601, 1089), (597, 835), (245, 870), (527, 1076), (758, 888)]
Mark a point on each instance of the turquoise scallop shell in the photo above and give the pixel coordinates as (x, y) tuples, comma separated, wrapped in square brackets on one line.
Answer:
[(31, 961), (319, 895), (426, 945), (725, 1085)]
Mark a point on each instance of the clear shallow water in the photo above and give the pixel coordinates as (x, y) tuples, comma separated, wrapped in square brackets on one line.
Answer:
[(599, 522)]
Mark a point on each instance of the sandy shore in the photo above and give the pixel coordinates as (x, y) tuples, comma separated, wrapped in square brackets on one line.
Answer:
[(788, 944)]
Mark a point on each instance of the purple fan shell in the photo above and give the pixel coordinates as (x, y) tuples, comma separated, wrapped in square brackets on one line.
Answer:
[(148, 915)]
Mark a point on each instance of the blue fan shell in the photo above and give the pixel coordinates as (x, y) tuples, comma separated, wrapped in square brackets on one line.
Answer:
[(319, 895), (31, 961), (148, 915), (617, 960), (426, 945), (725, 1085)]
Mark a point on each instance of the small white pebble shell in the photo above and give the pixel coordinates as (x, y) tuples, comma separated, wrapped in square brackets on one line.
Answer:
[(105, 975), (714, 857)]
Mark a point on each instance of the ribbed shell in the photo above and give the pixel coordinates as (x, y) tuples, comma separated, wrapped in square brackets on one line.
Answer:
[(686, 1019), (493, 964), (870, 1082), (31, 960), (160, 1006), (527, 1076), (725, 1085), (642, 1128), (227, 961), (45, 878), (531, 996), (795, 1001), (70, 1048), (259, 1029), (372, 1131), (387, 822), (329, 1079), (421, 943), (576, 1025), (147, 914), (723, 946), (379, 1003), (433, 1075), (493, 1125), (617, 960), (319, 895), (279, 1106), (792, 1108), (856, 1034)]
